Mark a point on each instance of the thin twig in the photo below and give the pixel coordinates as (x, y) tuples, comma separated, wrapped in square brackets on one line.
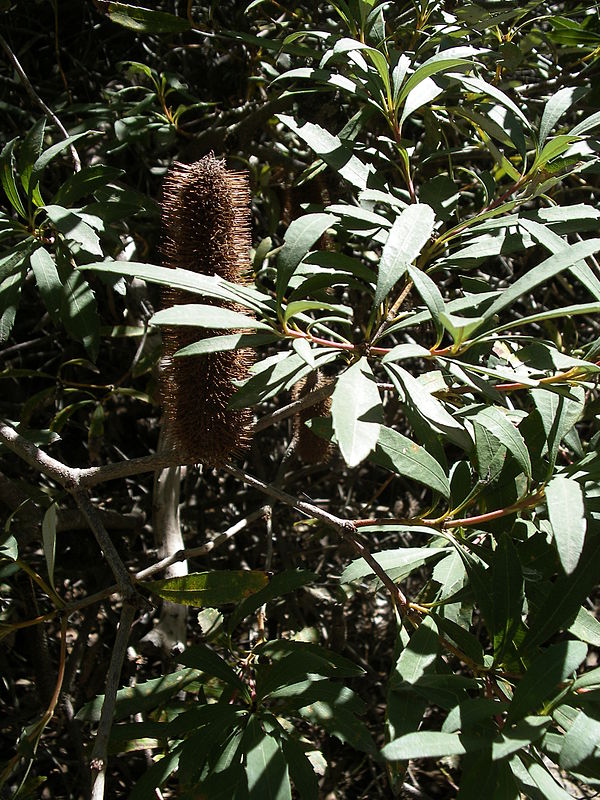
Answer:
[(308, 400), (202, 550), (346, 528), (99, 758), (38, 100), (122, 576)]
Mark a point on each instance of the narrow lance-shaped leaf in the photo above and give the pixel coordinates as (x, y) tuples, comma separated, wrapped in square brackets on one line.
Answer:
[(580, 741), (407, 237), (567, 517), (333, 152), (266, 766), (556, 106), (399, 454), (204, 316), (48, 281), (497, 423), (544, 676), (299, 238), (215, 588), (356, 412), (49, 540)]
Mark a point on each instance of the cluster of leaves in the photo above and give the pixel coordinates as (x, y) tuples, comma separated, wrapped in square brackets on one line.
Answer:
[(450, 294)]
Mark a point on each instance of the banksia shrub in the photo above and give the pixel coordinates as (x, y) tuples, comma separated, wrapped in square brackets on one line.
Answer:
[(206, 222)]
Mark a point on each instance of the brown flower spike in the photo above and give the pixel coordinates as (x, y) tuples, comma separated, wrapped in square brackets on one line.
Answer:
[(310, 448), (206, 229)]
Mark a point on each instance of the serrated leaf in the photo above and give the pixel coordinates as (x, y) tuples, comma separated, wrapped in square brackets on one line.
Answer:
[(409, 233), (203, 316), (356, 412), (208, 589), (566, 512), (544, 676), (299, 238), (400, 454)]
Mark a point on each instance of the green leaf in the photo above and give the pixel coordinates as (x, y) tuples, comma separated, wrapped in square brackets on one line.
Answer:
[(299, 306), (145, 20), (233, 341), (402, 351), (399, 454), (567, 595), (29, 152), (342, 724), (494, 420), (507, 591), (418, 657), (10, 295), (427, 406), (201, 657), (433, 744), (82, 183), (544, 676), (333, 152), (79, 313), (356, 412), (48, 155), (544, 780), (204, 316), (301, 771), (299, 238), (580, 741), (208, 285), (208, 589), (397, 563), (280, 584), (480, 86), (141, 697), (558, 415), (409, 233), (586, 627), (566, 512), (7, 176), (443, 61), (158, 773), (431, 296), (266, 766), (459, 328), (49, 539), (48, 281), (543, 272)]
